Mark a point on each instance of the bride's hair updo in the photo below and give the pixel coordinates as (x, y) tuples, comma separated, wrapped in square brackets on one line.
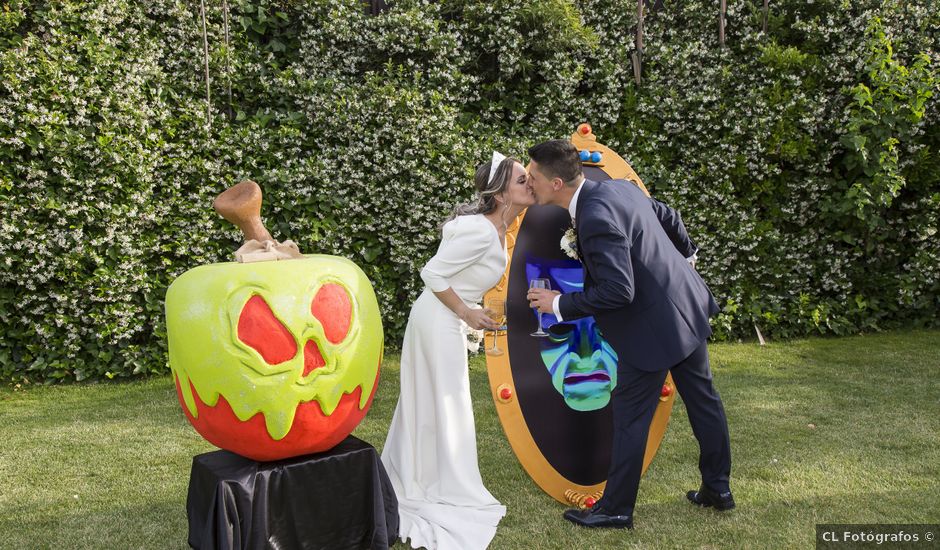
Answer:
[(487, 190)]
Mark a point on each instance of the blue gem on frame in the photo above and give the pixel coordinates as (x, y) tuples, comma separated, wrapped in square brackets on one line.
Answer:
[(585, 156), (596, 156)]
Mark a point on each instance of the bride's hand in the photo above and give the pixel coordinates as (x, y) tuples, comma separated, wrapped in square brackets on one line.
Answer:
[(478, 319)]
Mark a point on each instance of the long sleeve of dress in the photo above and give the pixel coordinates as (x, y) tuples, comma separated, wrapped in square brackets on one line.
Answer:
[(465, 240)]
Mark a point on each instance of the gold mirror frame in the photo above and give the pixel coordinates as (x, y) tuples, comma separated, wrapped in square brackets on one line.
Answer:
[(500, 374)]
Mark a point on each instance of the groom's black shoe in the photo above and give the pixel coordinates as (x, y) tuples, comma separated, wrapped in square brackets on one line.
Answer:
[(710, 499), (598, 517)]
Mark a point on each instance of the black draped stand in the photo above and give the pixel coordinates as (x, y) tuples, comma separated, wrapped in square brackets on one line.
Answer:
[(338, 499)]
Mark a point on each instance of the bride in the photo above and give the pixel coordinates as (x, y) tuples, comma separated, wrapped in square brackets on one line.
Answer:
[(431, 453)]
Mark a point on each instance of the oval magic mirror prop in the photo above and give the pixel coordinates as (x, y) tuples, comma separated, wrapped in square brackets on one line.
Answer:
[(553, 394)]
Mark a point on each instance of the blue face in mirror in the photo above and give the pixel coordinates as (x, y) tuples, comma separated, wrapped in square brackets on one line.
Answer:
[(581, 363)]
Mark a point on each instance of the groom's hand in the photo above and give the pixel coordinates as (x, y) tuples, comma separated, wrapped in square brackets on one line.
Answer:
[(542, 298)]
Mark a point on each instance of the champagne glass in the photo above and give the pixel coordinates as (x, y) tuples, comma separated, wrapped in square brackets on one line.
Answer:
[(496, 309), (540, 283)]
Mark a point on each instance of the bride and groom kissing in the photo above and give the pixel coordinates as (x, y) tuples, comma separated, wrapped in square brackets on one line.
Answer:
[(646, 298)]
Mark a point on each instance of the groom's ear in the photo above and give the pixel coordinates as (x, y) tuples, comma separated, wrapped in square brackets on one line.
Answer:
[(557, 184)]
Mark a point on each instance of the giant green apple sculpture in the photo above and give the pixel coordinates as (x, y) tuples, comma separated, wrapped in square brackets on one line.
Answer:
[(274, 359)]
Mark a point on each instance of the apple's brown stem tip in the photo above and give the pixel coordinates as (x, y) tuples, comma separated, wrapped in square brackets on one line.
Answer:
[(241, 205)]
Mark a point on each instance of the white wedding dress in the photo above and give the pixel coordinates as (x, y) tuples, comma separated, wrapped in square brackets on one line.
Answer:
[(431, 452)]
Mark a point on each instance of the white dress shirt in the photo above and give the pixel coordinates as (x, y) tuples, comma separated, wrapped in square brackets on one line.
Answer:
[(572, 209)]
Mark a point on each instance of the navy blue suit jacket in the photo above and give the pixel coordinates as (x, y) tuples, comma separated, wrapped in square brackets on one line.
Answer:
[(650, 304)]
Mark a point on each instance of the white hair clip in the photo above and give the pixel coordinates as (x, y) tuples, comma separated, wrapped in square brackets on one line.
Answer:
[(498, 159)]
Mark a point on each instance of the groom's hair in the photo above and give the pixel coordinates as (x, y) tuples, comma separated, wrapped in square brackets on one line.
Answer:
[(558, 158)]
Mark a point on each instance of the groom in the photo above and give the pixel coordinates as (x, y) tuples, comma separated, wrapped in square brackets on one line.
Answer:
[(652, 307)]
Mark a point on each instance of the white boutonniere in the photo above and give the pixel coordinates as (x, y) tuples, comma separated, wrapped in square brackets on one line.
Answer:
[(569, 244)]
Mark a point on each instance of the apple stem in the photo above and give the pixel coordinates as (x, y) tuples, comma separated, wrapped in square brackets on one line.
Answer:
[(241, 205)]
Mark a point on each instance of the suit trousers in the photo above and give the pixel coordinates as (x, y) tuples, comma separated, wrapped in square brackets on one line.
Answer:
[(634, 401)]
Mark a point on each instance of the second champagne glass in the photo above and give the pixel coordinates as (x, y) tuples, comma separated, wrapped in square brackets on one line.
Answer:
[(546, 284), (497, 312)]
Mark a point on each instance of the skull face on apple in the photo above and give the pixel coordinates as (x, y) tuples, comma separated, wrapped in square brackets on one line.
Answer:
[(274, 359)]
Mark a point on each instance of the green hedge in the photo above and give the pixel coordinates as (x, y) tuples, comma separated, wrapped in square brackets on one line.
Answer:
[(804, 159)]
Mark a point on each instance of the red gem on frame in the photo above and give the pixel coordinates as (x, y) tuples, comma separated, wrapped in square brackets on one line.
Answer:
[(260, 329), (333, 308), (667, 391), (585, 129)]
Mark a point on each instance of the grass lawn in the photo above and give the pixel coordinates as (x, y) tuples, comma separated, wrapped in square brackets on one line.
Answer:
[(822, 431)]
